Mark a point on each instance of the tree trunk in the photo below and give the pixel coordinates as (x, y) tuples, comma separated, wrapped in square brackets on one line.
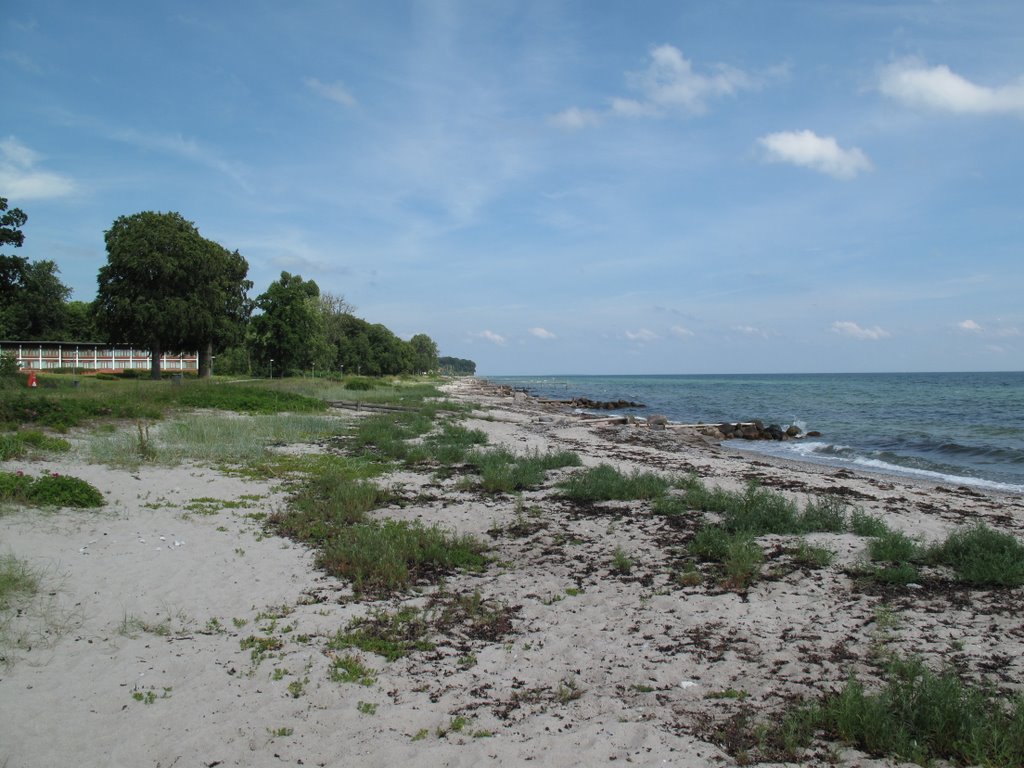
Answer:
[(154, 370), (206, 360)]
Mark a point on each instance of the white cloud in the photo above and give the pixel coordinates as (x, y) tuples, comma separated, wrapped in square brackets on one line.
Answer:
[(176, 144), (542, 333), (574, 118), (492, 337), (681, 332), (1008, 332), (336, 92), (751, 330), (940, 88), (20, 180), (670, 82), (854, 331), (642, 335), (632, 108), (819, 153), (969, 325)]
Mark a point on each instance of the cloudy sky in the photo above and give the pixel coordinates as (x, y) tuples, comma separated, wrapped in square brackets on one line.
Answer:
[(577, 186)]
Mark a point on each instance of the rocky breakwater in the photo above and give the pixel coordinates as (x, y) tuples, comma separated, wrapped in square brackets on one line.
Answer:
[(586, 403), (756, 430)]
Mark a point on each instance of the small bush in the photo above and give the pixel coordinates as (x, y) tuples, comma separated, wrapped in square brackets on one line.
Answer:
[(359, 385), (982, 557), (711, 543), (896, 573), (49, 491), (743, 558), (894, 547), (863, 524), (826, 514)]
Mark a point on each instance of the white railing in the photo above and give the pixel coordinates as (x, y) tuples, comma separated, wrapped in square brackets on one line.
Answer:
[(41, 356)]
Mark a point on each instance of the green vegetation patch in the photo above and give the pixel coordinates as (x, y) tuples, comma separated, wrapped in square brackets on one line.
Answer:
[(398, 633), (24, 442), (381, 557), (982, 557), (53, 490), (325, 503), (917, 715), (17, 581), (605, 483), (502, 471)]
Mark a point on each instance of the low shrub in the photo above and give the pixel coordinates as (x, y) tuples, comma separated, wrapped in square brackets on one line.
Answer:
[(894, 547), (982, 557), (863, 524), (52, 490)]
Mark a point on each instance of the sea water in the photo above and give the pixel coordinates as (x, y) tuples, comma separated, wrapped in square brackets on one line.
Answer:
[(959, 428)]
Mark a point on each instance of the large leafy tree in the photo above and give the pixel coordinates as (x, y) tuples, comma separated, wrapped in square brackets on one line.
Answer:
[(289, 326), (32, 298), (168, 288), (424, 353)]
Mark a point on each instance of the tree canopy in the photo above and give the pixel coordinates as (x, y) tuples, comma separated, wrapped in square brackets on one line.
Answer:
[(289, 329), (166, 287), (33, 300)]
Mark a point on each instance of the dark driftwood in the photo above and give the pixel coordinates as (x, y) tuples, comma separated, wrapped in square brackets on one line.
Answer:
[(355, 405)]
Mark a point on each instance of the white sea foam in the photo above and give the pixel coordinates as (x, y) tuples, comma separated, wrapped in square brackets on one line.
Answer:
[(831, 454)]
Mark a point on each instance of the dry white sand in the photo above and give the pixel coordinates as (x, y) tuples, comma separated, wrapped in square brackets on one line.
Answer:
[(132, 653)]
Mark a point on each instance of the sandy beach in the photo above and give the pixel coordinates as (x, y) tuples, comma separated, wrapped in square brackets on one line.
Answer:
[(134, 651)]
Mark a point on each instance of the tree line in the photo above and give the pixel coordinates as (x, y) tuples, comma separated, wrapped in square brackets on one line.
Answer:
[(167, 288)]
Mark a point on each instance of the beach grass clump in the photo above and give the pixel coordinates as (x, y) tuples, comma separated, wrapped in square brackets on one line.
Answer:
[(605, 483), (52, 490), (385, 437), (810, 556), (742, 561), (383, 557), (894, 547), (502, 471), (760, 511), (981, 556), (16, 445), (825, 514), (864, 524), (919, 716), (325, 503), (17, 581), (447, 447), (738, 552)]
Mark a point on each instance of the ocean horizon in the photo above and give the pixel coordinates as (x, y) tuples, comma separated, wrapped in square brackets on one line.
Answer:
[(962, 428)]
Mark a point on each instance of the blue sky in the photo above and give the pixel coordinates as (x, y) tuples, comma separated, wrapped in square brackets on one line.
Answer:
[(558, 187)]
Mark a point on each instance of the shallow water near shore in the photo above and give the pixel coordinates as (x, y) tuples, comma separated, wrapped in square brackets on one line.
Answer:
[(965, 428)]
